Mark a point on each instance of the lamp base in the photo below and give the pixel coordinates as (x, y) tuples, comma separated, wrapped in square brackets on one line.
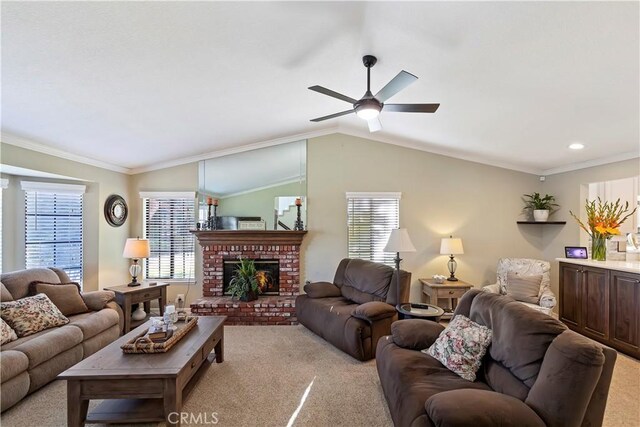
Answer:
[(134, 282), (452, 279)]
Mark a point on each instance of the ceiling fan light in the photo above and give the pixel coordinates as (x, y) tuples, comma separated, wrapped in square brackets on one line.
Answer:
[(368, 112)]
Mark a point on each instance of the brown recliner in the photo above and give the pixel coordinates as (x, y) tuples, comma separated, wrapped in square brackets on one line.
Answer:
[(358, 308), (536, 372)]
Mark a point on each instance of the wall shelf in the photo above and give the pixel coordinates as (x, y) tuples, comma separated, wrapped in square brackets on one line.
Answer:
[(543, 222)]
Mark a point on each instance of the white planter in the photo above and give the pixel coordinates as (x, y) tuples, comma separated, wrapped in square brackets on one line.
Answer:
[(540, 215)]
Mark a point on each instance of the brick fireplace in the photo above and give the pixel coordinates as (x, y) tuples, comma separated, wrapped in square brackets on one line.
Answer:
[(219, 246)]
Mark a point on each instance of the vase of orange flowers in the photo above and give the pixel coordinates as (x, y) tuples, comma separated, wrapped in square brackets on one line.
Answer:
[(603, 222)]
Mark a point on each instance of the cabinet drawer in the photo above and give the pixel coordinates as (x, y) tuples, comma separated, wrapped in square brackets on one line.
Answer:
[(451, 293), (193, 365), (146, 295)]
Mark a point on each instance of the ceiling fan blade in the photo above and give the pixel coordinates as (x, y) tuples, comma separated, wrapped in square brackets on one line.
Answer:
[(374, 124), (333, 94), (399, 82), (411, 108), (333, 116)]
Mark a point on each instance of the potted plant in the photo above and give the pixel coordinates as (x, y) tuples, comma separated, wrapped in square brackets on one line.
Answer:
[(244, 283), (540, 206), (603, 222)]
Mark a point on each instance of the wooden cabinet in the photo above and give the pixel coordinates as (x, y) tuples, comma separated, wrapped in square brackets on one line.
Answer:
[(625, 311), (602, 304)]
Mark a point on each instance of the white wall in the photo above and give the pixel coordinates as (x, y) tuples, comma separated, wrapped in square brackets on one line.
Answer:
[(103, 262), (440, 196)]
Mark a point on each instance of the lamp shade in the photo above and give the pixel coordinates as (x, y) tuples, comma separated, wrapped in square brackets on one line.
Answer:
[(399, 241), (136, 248), (451, 246)]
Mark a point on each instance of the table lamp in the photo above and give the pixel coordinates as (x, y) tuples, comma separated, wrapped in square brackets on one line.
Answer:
[(399, 241), (136, 249), (451, 246)]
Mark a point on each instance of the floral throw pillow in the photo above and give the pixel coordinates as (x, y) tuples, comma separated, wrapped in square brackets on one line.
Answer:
[(30, 315), (461, 346), (7, 334)]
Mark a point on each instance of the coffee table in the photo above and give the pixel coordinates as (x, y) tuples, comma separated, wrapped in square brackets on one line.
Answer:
[(141, 387)]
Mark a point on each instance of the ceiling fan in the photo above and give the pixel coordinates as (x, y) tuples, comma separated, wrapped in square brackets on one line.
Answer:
[(369, 106)]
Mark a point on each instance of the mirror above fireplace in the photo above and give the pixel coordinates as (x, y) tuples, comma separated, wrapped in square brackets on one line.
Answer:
[(246, 184)]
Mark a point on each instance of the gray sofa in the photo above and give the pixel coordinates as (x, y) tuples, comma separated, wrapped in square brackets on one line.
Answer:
[(536, 372), (31, 362), (354, 311)]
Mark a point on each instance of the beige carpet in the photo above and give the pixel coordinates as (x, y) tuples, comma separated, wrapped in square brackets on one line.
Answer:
[(265, 375)]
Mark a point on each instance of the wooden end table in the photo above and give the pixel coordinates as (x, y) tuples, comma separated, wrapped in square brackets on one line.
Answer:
[(142, 388), (447, 290), (126, 296)]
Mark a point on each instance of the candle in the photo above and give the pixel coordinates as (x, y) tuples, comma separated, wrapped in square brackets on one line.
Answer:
[(209, 201), (298, 202), (215, 202)]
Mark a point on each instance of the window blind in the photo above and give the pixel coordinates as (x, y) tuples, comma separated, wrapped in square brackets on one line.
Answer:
[(167, 221), (371, 217), (53, 231)]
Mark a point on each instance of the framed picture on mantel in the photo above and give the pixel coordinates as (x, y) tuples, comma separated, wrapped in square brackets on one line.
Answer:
[(252, 225)]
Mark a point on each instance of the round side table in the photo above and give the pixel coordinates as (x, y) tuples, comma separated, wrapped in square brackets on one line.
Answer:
[(419, 311)]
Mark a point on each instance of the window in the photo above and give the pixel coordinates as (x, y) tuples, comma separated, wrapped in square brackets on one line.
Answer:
[(53, 226), (4, 183), (168, 217), (370, 219)]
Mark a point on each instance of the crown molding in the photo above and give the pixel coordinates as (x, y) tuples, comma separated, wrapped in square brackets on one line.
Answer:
[(235, 150), (17, 141), (590, 163)]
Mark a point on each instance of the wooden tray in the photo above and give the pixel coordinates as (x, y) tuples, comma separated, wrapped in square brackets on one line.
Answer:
[(141, 345)]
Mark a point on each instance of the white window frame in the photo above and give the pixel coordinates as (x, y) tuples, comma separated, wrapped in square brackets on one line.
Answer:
[(380, 241), (144, 195), (56, 188), (4, 183)]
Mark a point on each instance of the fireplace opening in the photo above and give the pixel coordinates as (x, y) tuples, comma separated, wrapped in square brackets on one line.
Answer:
[(268, 275)]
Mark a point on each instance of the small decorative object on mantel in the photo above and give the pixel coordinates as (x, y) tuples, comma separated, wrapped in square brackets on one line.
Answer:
[(299, 225), (603, 222), (541, 207), (244, 283), (212, 220)]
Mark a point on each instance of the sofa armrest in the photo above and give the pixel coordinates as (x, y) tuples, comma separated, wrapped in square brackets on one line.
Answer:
[(479, 408), (97, 300), (113, 306), (415, 334), (548, 299), (322, 290), (373, 310), (494, 289)]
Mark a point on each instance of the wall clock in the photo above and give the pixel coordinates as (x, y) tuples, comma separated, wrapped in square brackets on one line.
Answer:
[(115, 210)]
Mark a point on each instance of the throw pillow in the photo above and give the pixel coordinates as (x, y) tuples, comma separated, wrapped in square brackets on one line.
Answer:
[(7, 334), (461, 346), (65, 296), (30, 315), (524, 288)]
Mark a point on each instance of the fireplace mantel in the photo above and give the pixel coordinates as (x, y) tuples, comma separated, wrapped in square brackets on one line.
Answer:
[(249, 237)]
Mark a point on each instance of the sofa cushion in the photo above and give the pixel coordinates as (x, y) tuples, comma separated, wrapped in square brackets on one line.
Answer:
[(94, 322), (97, 300), (461, 346), (17, 282), (46, 344), (415, 334), (32, 314), (521, 336), (65, 296), (374, 310), (523, 288), (331, 319), (13, 363), (5, 295), (366, 281), (6, 333), (410, 377)]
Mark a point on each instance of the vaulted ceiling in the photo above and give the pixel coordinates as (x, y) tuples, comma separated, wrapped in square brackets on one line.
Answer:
[(136, 84)]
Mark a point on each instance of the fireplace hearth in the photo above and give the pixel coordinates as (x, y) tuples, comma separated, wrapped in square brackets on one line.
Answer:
[(268, 275)]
